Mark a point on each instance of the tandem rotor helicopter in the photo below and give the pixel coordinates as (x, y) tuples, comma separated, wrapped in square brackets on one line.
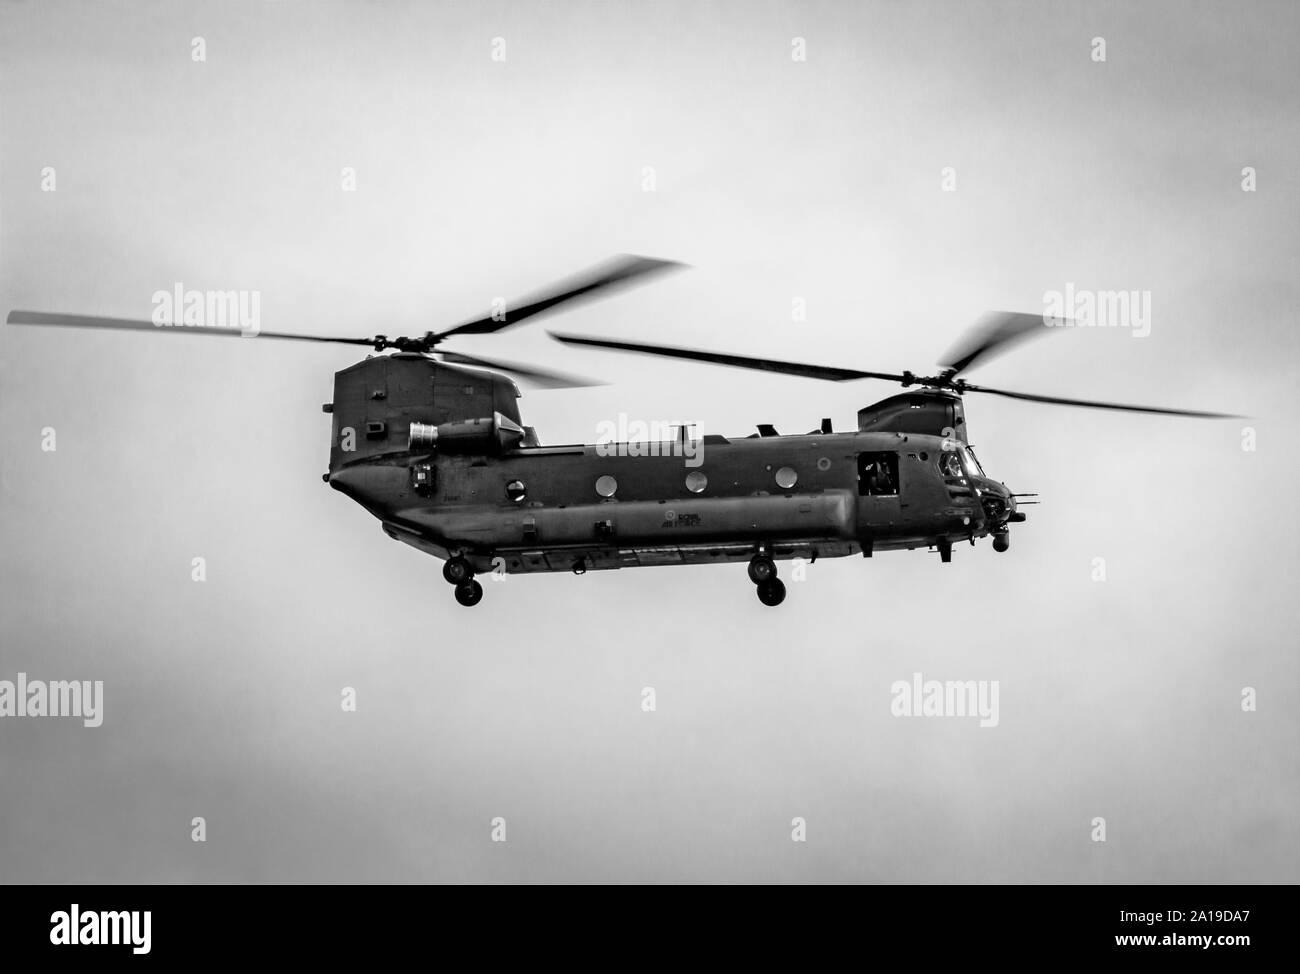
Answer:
[(431, 442)]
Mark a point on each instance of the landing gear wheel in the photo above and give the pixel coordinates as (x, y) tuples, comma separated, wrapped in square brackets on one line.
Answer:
[(1001, 542), (457, 571), (469, 593), (771, 592), (761, 569)]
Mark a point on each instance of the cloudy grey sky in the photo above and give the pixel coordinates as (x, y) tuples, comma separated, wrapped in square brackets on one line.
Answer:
[(776, 179)]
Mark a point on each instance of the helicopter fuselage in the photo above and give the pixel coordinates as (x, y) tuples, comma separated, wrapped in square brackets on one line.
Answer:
[(438, 455)]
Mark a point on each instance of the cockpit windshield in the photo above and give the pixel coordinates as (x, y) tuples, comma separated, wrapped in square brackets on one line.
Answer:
[(972, 461)]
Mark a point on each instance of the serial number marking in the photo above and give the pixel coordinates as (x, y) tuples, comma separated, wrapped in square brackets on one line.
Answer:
[(683, 521)]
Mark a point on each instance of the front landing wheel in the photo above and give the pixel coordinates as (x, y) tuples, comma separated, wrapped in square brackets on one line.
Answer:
[(761, 569), (457, 570), (771, 592), (469, 593)]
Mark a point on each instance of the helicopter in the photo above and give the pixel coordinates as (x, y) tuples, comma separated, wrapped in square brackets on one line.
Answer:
[(431, 442)]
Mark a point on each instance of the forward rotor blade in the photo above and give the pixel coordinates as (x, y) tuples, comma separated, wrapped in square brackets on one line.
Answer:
[(992, 335), (615, 273), (826, 372), (133, 324), (1093, 404), (541, 378)]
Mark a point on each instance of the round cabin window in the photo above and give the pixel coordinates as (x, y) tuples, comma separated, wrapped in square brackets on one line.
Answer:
[(786, 478), (515, 490), (696, 481), (606, 486)]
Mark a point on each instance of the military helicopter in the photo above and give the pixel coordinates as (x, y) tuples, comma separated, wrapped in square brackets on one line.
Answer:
[(431, 442)]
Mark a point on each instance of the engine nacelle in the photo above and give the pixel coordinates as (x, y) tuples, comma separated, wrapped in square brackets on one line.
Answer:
[(377, 402), (929, 412), (492, 434)]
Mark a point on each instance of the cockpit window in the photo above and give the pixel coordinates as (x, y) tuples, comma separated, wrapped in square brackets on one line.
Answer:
[(950, 464), (973, 462)]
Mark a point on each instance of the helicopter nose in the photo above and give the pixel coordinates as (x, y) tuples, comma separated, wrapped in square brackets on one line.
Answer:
[(998, 502)]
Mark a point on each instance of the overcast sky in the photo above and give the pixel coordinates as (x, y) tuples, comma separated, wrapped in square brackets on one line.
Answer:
[(776, 179)]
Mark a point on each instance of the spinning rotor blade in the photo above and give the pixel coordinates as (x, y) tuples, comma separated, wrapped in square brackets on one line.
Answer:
[(992, 335), (538, 377), (615, 273), (1093, 404), (541, 378), (134, 324), (826, 372)]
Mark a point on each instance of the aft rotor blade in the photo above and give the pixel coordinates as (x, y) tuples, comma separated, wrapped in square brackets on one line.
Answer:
[(598, 282), (826, 372), (542, 378), (1093, 404), (133, 324), (992, 335)]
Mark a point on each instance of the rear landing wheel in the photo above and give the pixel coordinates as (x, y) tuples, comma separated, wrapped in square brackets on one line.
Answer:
[(457, 571), (771, 592), (469, 593), (761, 569)]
